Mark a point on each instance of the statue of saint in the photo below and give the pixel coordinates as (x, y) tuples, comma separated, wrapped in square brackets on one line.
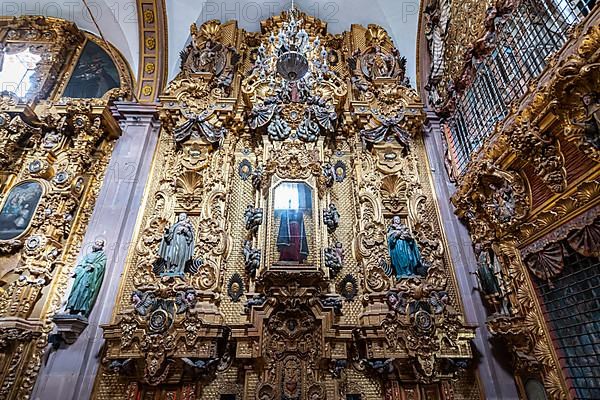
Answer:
[(404, 253), (88, 279), (176, 248), (591, 123), (489, 284), (331, 218), (291, 239)]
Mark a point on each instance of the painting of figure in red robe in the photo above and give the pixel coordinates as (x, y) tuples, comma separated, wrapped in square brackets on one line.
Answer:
[(292, 204)]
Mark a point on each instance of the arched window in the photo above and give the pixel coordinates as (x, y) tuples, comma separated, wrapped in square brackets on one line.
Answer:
[(48, 58), (94, 75)]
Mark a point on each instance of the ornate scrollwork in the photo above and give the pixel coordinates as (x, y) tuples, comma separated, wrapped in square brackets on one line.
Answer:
[(543, 151), (429, 324), (494, 204)]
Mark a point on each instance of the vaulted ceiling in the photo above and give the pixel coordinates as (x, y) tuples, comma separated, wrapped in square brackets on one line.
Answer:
[(117, 20)]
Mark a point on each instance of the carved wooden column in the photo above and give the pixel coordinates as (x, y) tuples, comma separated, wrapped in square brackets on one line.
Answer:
[(70, 370)]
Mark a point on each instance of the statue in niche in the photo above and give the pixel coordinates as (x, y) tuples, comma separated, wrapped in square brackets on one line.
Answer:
[(88, 275), (251, 258), (204, 58), (334, 258), (503, 203), (253, 217), (176, 248), (591, 125), (488, 271), (291, 239), (292, 200), (331, 218), (378, 64), (404, 252)]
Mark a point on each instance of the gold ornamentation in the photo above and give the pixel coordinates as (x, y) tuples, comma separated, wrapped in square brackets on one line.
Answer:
[(533, 142), (150, 68), (152, 23), (147, 90), (148, 16), (150, 42), (291, 318)]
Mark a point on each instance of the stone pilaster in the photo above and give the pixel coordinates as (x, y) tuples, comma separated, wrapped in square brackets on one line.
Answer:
[(497, 383), (69, 372)]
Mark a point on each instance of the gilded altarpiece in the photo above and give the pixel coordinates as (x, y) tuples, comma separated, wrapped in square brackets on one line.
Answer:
[(55, 151), (282, 195)]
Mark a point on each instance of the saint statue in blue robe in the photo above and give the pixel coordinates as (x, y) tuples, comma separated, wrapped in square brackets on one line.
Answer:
[(88, 274), (291, 239), (404, 252), (176, 248)]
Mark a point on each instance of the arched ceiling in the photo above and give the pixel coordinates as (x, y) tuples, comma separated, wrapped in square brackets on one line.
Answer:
[(118, 20)]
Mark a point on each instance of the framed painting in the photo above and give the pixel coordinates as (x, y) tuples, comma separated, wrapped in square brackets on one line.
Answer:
[(18, 209)]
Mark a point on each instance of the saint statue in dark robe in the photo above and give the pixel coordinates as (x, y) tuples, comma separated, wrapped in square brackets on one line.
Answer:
[(291, 239)]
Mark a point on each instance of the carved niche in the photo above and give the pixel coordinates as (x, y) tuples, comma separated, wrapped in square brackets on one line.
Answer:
[(494, 203)]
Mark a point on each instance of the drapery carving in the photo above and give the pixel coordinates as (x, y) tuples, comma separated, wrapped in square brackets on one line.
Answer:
[(587, 240), (548, 263)]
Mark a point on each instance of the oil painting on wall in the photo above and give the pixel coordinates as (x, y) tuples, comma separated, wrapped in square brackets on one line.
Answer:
[(18, 209)]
